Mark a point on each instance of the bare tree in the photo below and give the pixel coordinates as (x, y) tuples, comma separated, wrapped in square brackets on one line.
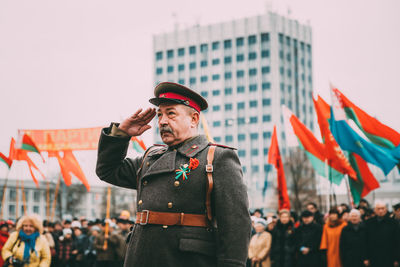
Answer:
[(74, 196), (300, 179)]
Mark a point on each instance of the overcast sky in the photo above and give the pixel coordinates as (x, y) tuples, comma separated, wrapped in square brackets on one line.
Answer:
[(81, 63)]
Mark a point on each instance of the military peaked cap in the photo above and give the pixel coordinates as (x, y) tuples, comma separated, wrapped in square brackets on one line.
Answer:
[(176, 93)]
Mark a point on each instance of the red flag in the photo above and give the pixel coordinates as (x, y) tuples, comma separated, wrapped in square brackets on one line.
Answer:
[(6, 160), (55, 154), (274, 158)]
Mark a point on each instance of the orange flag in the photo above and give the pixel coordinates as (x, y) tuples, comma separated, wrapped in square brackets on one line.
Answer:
[(274, 158)]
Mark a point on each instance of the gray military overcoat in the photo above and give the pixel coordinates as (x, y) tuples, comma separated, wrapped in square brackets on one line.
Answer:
[(157, 190)]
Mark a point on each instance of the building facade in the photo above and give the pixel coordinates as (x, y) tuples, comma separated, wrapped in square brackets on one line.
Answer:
[(246, 69)]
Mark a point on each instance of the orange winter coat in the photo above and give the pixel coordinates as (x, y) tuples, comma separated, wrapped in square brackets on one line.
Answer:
[(330, 241)]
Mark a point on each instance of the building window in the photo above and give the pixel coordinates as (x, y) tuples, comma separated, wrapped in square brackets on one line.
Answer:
[(239, 57), (159, 55), (266, 102), (228, 91), (241, 137), (266, 86), (170, 69), (228, 75), (287, 40), (253, 87), (170, 53), (253, 103), (215, 45), (241, 121), (216, 92), (252, 39), (204, 93), (240, 89), (228, 122), (281, 54), (266, 118), (280, 37), (11, 209), (159, 71), (228, 106), (264, 37), (192, 50), (192, 65), (240, 73), (181, 81), (266, 135), (203, 79), (282, 70), (12, 195), (215, 61), (242, 153), (216, 123), (265, 153), (282, 87), (181, 67), (253, 119), (239, 41), (228, 138), (203, 47), (228, 60), (264, 53), (240, 105), (265, 70), (192, 80), (36, 209), (254, 152), (288, 57), (252, 55), (289, 73), (215, 77), (216, 108), (255, 169), (254, 136), (252, 72), (217, 139), (203, 63), (244, 169), (227, 44), (181, 52)]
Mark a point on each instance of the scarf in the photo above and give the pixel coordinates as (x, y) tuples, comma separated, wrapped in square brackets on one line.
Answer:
[(29, 241)]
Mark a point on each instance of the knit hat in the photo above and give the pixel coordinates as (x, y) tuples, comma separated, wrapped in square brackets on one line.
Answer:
[(67, 231)]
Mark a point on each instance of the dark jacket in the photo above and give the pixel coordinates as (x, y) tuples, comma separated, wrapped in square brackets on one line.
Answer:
[(353, 245), (283, 245), (382, 241), (154, 245), (309, 236), (110, 254)]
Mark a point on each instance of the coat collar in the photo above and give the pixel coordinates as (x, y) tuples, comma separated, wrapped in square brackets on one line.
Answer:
[(194, 145)]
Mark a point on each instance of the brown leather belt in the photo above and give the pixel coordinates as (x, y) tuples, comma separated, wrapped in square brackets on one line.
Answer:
[(169, 218)]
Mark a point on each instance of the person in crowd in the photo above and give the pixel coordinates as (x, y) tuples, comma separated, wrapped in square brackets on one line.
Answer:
[(27, 244), (363, 204), (258, 213), (260, 245), (318, 217), (3, 237), (123, 226), (47, 232), (396, 213), (66, 249), (90, 253), (282, 249), (383, 237), (106, 255), (11, 226), (353, 241), (81, 244), (307, 240), (366, 213), (331, 237)]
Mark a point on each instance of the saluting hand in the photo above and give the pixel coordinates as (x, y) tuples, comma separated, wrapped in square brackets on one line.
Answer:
[(138, 123)]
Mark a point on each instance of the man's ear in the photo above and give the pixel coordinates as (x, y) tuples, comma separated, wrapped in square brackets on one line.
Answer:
[(195, 119)]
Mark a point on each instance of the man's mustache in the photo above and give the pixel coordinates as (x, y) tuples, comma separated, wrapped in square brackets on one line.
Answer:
[(165, 129)]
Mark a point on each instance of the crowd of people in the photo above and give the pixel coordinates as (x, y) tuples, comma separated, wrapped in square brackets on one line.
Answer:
[(344, 237), (77, 243)]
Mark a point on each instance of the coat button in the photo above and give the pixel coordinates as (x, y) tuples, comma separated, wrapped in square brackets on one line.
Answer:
[(169, 205), (144, 182), (194, 146), (165, 226), (140, 202), (176, 183), (147, 163)]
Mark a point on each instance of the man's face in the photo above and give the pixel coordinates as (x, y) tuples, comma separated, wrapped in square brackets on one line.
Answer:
[(354, 218), (308, 220), (311, 208), (380, 210), (175, 123), (397, 213)]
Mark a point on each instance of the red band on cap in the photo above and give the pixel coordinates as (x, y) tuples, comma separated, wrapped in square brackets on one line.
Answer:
[(190, 102)]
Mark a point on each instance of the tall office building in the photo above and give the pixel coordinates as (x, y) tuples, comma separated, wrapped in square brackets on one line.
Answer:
[(246, 69)]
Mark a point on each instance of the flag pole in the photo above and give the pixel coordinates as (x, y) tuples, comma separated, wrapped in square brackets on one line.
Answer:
[(23, 196), (105, 245), (4, 195), (53, 212), (16, 199), (349, 196), (48, 199), (328, 195)]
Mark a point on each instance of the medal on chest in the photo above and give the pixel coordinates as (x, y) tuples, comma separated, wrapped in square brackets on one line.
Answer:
[(184, 169)]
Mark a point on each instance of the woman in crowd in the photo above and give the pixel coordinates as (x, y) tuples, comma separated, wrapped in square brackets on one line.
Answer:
[(331, 236), (260, 245), (3, 237), (27, 244), (282, 250)]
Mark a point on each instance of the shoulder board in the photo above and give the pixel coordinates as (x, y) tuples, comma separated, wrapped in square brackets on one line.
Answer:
[(213, 144)]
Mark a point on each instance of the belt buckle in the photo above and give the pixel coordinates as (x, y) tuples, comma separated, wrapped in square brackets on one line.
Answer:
[(141, 217), (209, 168)]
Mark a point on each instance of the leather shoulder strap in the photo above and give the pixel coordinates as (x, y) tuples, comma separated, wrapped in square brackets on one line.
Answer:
[(210, 181)]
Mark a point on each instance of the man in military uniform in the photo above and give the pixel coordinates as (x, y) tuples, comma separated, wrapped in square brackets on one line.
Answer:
[(191, 201)]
